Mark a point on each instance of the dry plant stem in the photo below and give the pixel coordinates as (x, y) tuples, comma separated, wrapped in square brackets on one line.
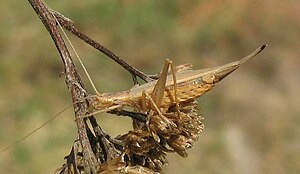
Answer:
[(108, 150), (139, 116), (70, 26), (72, 79)]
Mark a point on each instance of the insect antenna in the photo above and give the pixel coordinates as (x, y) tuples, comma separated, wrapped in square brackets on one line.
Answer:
[(77, 56), (35, 130), (42, 125)]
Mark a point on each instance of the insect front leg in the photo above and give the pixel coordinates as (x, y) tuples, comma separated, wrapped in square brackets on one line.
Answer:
[(157, 95), (157, 110), (162, 122), (155, 98)]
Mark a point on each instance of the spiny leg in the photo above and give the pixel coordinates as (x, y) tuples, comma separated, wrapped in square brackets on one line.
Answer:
[(175, 88), (143, 109), (149, 111), (157, 109), (156, 97), (160, 87)]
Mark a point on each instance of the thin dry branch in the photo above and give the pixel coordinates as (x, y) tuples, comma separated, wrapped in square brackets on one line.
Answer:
[(73, 82), (70, 26)]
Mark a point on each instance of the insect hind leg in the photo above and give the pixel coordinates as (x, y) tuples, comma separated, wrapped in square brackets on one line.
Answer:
[(175, 88), (160, 87)]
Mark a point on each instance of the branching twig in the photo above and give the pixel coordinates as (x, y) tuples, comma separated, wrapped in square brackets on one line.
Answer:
[(69, 25), (73, 82), (139, 116)]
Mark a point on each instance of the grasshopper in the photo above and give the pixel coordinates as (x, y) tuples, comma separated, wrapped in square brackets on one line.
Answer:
[(166, 130), (170, 89), (161, 94)]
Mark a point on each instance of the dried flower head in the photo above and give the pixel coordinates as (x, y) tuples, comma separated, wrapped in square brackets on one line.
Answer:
[(170, 132), (118, 166)]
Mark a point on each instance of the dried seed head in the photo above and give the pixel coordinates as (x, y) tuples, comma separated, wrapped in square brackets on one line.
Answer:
[(141, 149), (185, 128), (156, 162), (118, 166), (113, 166), (138, 170), (179, 143), (139, 142), (159, 126), (170, 132)]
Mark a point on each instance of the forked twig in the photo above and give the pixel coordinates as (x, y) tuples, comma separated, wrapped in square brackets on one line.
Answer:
[(70, 26), (139, 116), (72, 79)]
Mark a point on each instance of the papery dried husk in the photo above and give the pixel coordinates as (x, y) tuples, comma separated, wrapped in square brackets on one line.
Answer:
[(170, 132), (139, 142), (142, 149), (118, 166), (183, 132)]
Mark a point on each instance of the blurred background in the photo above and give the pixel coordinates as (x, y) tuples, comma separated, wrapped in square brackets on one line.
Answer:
[(252, 121)]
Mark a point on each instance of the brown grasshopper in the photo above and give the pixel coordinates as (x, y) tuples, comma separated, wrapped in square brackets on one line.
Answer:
[(170, 89), (166, 129), (161, 94)]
